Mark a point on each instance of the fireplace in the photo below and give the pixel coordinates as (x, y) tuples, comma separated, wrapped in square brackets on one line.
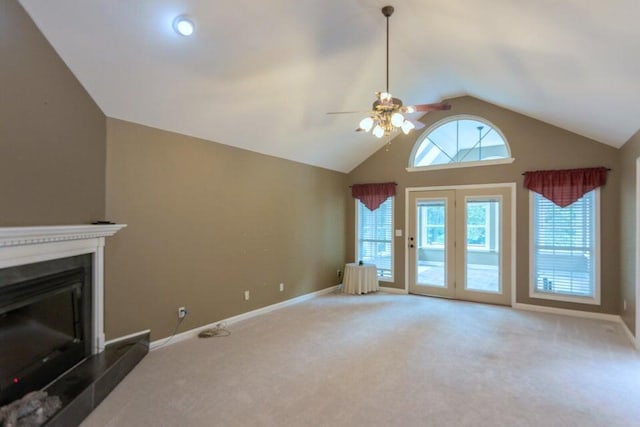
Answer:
[(45, 322), (52, 318)]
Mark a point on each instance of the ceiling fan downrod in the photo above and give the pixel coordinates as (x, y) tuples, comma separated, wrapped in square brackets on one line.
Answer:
[(387, 11)]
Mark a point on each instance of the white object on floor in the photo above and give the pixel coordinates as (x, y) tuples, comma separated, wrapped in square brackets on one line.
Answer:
[(360, 279)]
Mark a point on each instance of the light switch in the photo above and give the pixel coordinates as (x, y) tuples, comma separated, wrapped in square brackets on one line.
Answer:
[(399, 233)]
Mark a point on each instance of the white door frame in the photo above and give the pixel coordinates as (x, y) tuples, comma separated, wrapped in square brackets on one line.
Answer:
[(511, 185), (637, 262)]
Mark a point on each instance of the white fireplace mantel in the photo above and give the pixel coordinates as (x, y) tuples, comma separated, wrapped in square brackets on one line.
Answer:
[(26, 245)]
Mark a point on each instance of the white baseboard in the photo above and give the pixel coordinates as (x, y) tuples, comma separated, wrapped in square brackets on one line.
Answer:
[(126, 337), (633, 339), (585, 314), (393, 290), (244, 316), (567, 312)]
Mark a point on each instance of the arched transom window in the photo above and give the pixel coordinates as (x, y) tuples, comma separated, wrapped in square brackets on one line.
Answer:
[(459, 141)]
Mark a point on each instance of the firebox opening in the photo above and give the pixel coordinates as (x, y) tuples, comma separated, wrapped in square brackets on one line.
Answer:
[(44, 326)]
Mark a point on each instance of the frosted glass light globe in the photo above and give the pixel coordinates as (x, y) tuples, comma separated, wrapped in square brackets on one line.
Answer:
[(407, 126), (397, 119), (366, 124)]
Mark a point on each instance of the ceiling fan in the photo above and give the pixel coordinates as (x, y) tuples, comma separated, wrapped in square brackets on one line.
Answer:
[(386, 115)]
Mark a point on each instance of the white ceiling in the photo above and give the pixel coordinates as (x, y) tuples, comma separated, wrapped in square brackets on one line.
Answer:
[(260, 75)]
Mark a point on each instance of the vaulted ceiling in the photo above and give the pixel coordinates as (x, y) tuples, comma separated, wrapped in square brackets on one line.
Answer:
[(260, 75)]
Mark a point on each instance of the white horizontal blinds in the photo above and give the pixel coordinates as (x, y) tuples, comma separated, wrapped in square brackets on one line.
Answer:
[(564, 246), (375, 231)]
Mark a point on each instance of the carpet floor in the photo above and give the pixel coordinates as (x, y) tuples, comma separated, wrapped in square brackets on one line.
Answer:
[(387, 360)]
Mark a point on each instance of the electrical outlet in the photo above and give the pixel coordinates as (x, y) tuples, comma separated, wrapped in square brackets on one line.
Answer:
[(246, 295), (339, 273), (182, 312), (281, 287)]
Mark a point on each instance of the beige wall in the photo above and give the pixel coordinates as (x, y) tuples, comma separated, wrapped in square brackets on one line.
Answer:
[(535, 145), (194, 238), (52, 134), (208, 221), (628, 250)]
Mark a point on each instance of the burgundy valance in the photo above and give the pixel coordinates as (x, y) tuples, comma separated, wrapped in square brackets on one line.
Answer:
[(373, 195), (564, 187)]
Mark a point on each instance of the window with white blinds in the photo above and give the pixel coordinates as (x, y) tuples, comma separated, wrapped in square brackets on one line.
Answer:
[(565, 264), (375, 237)]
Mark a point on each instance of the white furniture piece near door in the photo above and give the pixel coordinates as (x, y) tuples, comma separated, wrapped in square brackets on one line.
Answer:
[(360, 279)]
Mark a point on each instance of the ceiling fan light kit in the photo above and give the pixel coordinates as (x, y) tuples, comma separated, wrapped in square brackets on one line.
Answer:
[(386, 116)]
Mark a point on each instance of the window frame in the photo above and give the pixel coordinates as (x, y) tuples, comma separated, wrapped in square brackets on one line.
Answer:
[(357, 228), (427, 226), (488, 230), (412, 168), (595, 299)]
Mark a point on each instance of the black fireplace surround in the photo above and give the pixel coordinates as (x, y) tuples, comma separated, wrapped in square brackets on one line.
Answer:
[(45, 322)]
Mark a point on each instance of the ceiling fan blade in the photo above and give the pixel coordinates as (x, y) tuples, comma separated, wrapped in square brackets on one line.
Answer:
[(417, 124), (440, 106)]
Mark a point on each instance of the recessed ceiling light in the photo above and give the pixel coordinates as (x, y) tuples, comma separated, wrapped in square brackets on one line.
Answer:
[(183, 25)]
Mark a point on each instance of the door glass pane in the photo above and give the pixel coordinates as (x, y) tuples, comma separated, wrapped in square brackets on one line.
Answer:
[(431, 242), (482, 248)]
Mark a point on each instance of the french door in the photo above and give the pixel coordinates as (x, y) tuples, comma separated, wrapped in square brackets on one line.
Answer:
[(460, 244)]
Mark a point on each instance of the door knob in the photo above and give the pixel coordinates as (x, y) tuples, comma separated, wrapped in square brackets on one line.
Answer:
[(411, 245)]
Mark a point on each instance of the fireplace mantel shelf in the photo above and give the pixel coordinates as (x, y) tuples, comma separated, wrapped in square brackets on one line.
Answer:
[(20, 236)]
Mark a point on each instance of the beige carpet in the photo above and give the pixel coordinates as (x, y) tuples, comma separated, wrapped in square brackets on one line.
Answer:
[(388, 360)]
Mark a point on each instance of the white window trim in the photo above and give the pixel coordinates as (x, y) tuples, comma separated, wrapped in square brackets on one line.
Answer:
[(470, 248), (461, 165), (486, 249), (637, 249), (533, 293), (433, 245), (393, 244)]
